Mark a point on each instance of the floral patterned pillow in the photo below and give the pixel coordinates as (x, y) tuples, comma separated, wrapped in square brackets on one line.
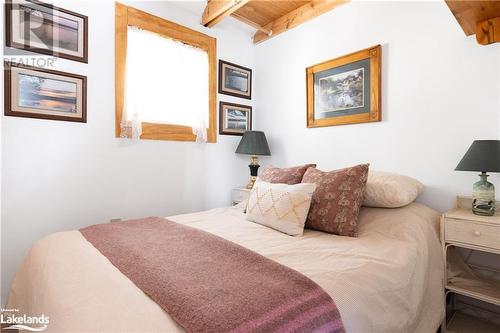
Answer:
[(337, 200), (290, 176)]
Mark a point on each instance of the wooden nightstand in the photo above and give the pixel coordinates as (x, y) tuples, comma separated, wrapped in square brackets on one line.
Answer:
[(461, 228), (239, 194)]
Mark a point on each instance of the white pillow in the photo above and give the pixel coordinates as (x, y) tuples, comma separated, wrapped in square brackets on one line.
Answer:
[(390, 190), (280, 206)]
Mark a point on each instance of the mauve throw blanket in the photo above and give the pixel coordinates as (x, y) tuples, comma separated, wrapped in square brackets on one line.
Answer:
[(209, 284)]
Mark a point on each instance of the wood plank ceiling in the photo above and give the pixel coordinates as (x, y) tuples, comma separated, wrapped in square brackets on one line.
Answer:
[(272, 17), (478, 17), (269, 17)]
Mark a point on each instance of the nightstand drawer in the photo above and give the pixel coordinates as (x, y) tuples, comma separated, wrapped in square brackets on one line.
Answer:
[(239, 194), (472, 233)]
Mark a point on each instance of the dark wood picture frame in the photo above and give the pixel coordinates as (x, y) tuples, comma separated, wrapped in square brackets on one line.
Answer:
[(222, 129), (228, 91), (10, 43), (372, 111), (8, 110)]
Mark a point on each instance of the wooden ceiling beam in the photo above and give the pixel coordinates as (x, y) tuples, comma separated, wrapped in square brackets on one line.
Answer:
[(296, 17), (488, 31), (216, 10), (480, 17)]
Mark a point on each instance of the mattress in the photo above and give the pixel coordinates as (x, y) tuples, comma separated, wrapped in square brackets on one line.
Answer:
[(388, 279)]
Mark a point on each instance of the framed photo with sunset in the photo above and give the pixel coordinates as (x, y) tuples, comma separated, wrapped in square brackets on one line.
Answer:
[(46, 94), (345, 90), (43, 28)]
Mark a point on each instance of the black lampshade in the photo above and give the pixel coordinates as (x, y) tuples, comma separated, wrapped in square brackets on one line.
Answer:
[(483, 155), (253, 143)]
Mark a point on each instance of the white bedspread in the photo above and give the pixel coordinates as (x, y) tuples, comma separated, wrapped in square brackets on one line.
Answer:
[(389, 279)]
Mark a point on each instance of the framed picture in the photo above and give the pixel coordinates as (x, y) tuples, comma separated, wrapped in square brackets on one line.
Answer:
[(42, 28), (47, 94), (235, 80), (345, 90), (234, 119)]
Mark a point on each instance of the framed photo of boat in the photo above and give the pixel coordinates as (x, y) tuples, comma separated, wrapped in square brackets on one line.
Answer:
[(234, 119), (345, 90), (43, 28), (33, 92), (235, 80)]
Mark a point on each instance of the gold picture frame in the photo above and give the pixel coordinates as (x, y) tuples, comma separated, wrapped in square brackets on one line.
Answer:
[(345, 90)]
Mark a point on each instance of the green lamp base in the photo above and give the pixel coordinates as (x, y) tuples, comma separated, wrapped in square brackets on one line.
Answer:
[(483, 197)]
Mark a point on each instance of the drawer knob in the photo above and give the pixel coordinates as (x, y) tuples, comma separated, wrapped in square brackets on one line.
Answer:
[(477, 233)]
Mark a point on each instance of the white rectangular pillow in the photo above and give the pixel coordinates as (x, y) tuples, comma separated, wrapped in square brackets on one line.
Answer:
[(390, 190), (280, 206)]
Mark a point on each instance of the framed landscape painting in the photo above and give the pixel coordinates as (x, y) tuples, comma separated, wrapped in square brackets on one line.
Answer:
[(234, 119), (345, 90), (42, 28), (46, 94), (235, 80)]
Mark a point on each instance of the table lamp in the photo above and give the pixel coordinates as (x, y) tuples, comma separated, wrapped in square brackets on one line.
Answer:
[(253, 143), (483, 156)]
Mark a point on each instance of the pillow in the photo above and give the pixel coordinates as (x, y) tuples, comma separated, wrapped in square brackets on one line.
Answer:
[(337, 200), (290, 176), (390, 190), (280, 206)]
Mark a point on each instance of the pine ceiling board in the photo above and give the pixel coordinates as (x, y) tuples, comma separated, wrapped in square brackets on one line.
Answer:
[(263, 12), (469, 13), (296, 17)]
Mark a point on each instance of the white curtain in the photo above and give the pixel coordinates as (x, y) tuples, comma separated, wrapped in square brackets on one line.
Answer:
[(166, 82)]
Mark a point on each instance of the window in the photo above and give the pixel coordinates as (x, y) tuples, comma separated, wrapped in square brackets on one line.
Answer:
[(165, 77)]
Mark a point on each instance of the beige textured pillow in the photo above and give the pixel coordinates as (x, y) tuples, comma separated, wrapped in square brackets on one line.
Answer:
[(391, 190), (280, 206)]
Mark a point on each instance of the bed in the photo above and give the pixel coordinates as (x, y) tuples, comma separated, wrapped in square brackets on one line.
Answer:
[(388, 279)]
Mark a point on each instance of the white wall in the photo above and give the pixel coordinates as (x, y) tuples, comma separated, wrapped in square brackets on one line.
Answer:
[(439, 93), (62, 175)]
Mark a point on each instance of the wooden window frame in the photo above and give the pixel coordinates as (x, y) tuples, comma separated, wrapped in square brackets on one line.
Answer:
[(125, 16)]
